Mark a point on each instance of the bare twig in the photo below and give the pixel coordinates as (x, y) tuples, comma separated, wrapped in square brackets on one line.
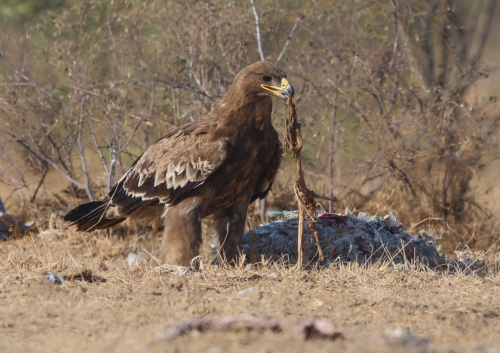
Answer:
[(290, 36), (396, 32), (26, 78), (257, 31), (7, 160), (112, 163), (43, 158), (44, 174), (125, 145), (484, 32), (60, 158), (332, 152), (98, 149), (82, 152), (428, 46), (179, 85)]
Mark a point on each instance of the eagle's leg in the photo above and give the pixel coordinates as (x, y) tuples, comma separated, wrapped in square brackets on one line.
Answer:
[(182, 233), (230, 226)]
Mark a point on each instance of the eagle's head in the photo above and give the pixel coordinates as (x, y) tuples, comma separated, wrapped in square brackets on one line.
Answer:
[(264, 78)]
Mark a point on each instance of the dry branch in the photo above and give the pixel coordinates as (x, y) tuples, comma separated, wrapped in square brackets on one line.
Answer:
[(290, 36), (235, 323), (27, 79), (257, 31), (303, 196)]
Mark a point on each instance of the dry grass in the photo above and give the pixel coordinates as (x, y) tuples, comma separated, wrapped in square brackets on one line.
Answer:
[(456, 313), (373, 115)]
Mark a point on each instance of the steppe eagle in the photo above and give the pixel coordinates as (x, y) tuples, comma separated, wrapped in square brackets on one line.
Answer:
[(213, 167)]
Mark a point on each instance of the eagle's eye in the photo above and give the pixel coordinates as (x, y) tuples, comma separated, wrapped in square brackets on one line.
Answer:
[(267, 78)]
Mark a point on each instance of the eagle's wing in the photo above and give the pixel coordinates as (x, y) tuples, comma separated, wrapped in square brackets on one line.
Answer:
[(174, 165), (266, 180)]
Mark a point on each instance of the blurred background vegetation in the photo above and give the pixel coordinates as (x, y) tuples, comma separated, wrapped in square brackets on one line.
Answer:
[(397, 98)]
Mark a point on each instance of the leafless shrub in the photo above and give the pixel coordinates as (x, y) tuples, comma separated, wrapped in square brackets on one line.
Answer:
[(383, 89)]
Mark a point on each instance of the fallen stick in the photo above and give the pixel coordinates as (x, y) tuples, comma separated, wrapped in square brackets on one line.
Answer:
[(235, 323), (303, 330)]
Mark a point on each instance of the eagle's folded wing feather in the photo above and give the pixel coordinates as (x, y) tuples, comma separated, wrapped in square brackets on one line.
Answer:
[(173, 166), (266, 180)]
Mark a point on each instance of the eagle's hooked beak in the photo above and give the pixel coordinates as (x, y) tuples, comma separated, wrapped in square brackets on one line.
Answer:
[(285, 91)]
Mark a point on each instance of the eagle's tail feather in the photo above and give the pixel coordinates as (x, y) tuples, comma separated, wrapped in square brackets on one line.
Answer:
[(92, 215)]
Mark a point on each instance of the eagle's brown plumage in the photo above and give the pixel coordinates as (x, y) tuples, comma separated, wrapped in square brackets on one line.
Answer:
[(215, 166)]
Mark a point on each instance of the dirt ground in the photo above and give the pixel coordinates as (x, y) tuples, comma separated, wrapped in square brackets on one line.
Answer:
[(136, 304)]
